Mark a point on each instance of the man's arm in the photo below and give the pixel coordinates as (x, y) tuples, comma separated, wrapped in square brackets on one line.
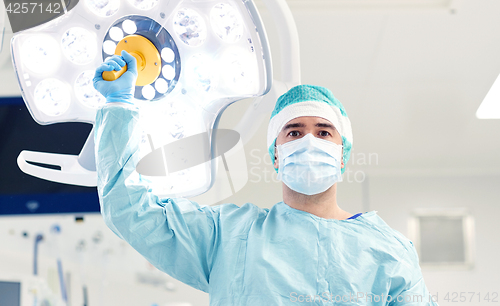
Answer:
[(407, 283), (177, 236)]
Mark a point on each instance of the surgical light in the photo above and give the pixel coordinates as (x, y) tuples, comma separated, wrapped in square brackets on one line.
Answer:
[(79, 45), (116, 33), (161, 85), (144, 4), (129, 26), (85, 91), (226, 22), (147, 39), (52, 97), (148, 92), (167, 55), (195, 58), (109, 47), (238, 72), (40, 54), (202, 71), (168, 72), (190, 27), (103, 8)]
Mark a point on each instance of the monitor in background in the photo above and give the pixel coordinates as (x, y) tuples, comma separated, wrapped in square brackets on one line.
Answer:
[(21, 193), (10, 293)]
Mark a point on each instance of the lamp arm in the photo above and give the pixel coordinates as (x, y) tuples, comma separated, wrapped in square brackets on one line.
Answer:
[(261, 107), (74, 170), (288, 38)]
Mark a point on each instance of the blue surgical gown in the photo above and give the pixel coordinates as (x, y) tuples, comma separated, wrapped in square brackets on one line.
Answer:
[(248, 255)]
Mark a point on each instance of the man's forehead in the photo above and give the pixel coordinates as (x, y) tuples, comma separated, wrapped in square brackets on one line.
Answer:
[(308, 120)]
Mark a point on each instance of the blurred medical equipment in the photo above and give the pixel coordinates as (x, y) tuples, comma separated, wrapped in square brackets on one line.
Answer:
[(155, 278), (38, 239), (16, 290), (55, 231), (490, 107), (38, 293), (211, 54), (10, 292), (80, 249)]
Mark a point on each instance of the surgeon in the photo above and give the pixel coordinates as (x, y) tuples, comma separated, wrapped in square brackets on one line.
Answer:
[(305, 250)]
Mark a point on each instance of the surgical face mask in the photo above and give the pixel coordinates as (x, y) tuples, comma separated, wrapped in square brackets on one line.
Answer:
[(309, 165)]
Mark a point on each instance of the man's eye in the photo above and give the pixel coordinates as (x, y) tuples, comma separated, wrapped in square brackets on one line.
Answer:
[(324, 133), (294, 133)]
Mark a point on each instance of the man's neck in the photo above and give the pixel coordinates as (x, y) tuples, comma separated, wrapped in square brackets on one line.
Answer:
[(323, 204)]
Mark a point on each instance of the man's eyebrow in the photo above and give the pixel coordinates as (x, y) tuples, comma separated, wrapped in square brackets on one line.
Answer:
[(293, 125), (325, 125)]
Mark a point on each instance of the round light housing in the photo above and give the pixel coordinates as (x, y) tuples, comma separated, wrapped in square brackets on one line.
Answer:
[(201, 71), (116, 33), (52, 97), (168, 72), (109, 47), (144, 4), (148, 92), (239, 69), (154, 43), (85, 91), (190, 27), (129, 26), (79, 45), (103, 8), (161, 85), (226, 22), (167, 55), (41, 54)]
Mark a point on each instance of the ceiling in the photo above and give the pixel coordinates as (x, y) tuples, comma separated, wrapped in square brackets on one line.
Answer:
[(411, 75), (411, 79)]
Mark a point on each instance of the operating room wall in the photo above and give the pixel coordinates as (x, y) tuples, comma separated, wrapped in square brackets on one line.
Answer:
[(395, 198)]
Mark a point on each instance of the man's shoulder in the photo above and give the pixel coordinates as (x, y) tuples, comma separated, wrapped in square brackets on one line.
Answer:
[(391, 236), (243, 210), (238, 218)]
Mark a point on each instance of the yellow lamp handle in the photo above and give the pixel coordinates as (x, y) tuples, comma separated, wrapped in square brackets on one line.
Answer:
[(114, 75)]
